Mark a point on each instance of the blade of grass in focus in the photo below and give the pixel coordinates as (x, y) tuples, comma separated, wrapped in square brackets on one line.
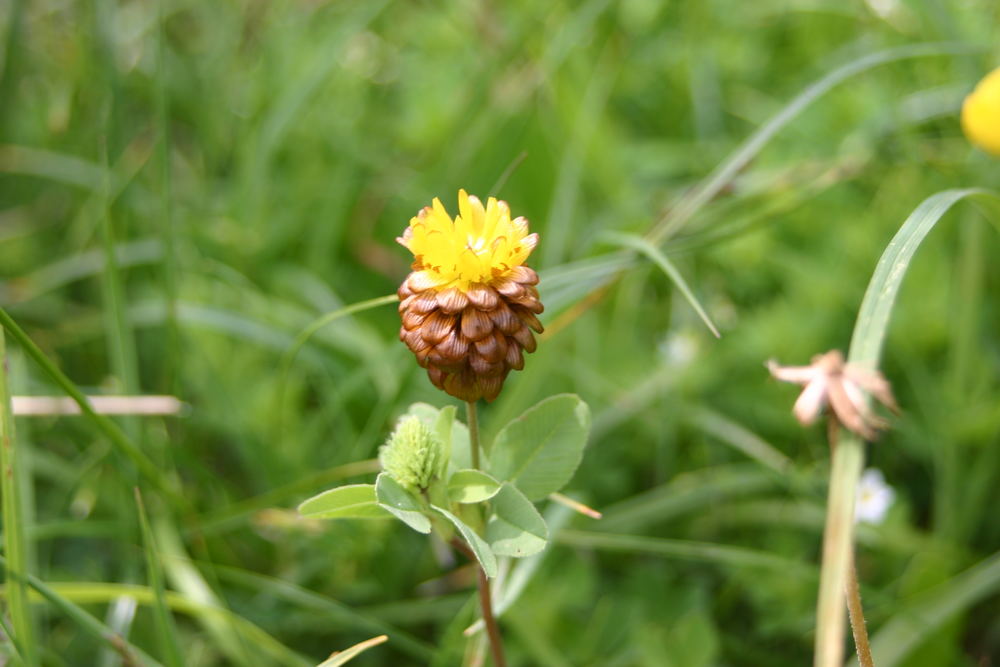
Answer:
[(86, 622), (166, 629), (866, 347), (14, 536)]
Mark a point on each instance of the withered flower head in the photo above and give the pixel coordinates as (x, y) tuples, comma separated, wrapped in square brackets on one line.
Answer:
[(470, 303), (828, 380)]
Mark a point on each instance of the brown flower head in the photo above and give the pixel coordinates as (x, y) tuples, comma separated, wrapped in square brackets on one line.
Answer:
[(829, 381), (470, 303)]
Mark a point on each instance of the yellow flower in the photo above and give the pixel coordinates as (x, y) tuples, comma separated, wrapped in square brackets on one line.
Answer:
[(478, 246), (470, 304), (981, 114)]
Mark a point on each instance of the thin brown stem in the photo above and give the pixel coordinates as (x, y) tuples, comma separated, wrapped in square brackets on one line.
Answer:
[(473, 418), (857, 616), (486, 605), (492, 629)]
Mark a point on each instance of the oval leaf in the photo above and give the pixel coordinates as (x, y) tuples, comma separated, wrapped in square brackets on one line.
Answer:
[(515, 528), (479, 546), (540, 450), (399, 502), (471, 486), (355, 501)]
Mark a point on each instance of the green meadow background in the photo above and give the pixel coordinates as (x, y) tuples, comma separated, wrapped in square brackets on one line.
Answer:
[(185, 186)]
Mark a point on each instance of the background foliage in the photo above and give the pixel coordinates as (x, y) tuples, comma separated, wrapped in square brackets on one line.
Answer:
[(248, 165)]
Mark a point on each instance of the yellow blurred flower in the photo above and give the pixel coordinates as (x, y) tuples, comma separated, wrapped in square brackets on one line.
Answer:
[(981, 114)]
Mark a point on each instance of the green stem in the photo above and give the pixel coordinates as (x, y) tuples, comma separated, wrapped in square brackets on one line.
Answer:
[(13, 523), (848, 456), (473, 419)]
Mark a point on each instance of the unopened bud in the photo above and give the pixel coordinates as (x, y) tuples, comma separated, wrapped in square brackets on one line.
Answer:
[(413, 455)]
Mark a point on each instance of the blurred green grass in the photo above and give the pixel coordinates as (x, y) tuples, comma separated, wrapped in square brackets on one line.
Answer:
[(249, 164)]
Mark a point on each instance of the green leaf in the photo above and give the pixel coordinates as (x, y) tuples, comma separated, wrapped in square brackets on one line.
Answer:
[(442, 426), (515, 528), (479, 547), (540, 450), (355, 501), (471, 486), (399, 502), (345, 656)]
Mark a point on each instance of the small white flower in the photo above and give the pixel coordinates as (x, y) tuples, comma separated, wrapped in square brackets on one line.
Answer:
[(829, 381), (875, 497), (680, 348)]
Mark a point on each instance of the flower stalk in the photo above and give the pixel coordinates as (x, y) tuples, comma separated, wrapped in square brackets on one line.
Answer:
[(482, 581), (852, 590), (838, 541), (843, 390), (472, 416)]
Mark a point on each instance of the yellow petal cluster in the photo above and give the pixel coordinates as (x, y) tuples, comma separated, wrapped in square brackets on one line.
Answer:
[(481, 245), (981, 114)]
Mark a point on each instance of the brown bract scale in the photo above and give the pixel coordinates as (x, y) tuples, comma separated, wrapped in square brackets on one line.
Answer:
[(470, 340)]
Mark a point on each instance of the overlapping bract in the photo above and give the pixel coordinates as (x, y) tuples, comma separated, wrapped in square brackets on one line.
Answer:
[(469, 306)]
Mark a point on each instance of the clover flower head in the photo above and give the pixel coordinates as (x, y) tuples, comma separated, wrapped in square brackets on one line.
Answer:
[(875, 497), (828, 381), (981, 114), (413, 455), (470, 304)]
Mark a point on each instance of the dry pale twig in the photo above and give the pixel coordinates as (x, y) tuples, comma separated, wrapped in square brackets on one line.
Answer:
[(39, 406)]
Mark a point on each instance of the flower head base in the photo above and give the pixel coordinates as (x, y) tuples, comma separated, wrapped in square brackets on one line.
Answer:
[(981, 114), (413, 455), (470, 304), (828, 380)]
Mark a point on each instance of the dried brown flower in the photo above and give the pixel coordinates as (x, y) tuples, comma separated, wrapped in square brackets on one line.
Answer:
[(829, 381)]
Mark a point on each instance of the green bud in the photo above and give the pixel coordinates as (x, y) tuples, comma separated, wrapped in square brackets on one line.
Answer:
[(413, 455)]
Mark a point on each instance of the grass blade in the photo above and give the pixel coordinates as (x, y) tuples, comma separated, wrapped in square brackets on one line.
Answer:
[(708, 189), (705, 552), (652, 252), (894, 642), (848, 458), (873, 317), (13, 524), (336, 611), (345, 656), (110, 429), (88, 623), (166, 629)]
